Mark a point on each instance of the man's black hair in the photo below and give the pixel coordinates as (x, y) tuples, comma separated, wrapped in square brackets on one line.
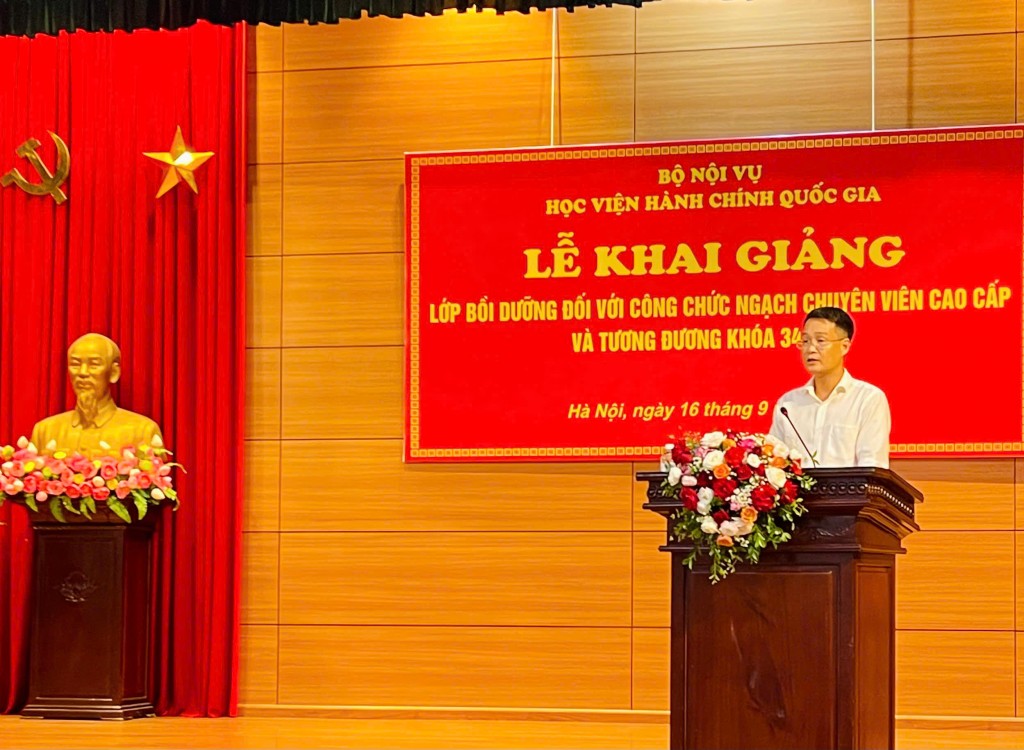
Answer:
[(837, 315)]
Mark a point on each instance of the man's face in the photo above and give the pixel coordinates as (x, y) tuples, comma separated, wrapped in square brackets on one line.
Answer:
[(824, 346), (89, 367)]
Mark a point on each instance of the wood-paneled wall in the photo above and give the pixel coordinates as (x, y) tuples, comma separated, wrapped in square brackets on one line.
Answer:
[(368, 582)]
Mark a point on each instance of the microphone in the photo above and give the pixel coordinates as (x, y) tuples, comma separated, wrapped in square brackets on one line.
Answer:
[(785, 413)]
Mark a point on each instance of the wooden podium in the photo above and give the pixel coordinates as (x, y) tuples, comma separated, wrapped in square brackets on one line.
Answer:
[(89, 652), (799, 650)]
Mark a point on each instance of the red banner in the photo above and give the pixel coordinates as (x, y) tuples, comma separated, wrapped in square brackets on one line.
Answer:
[(586, 302)]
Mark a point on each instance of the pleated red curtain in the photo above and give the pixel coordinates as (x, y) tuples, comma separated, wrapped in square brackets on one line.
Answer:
[(165, 279)]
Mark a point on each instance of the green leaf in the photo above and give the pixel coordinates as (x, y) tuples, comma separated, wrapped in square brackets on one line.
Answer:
[(68, 505), (118, 509), (89, 503), (30, 501), (140, 505), (55, 509)]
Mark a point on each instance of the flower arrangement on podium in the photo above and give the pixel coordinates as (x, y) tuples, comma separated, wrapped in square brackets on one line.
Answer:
[(79, 484), (739, 493)]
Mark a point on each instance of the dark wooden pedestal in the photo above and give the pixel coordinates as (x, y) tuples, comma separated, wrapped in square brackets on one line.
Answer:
[(89, 654), (799, 650)]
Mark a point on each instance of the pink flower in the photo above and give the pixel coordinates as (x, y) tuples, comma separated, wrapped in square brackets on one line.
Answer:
[(67, 476), (41, 497), (164, 470), (125, 467), (145, 482), (108, 471), (80, 464), (85, 490), (164, 482), (17, 469), (133, 481), (123, 490), (101, 493), (31, 484), (73, 492), (53, 487)]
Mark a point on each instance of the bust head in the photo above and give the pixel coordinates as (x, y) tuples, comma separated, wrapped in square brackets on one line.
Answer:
[(94, 364)]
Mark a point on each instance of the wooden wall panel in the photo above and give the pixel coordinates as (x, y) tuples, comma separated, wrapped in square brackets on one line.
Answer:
[(900, 18), (928, 597), (527, 578), (673, 25), (265, 136), (447, 497), (257, 664), (263, 393), (596, 99), (645, 520), (738, 92), (651, 672), (600, 31), (263, 48), (946, 81), (263, 210), (945, 485), (379, 113), (343, 300), (437, 666), (346, 207), (259, 577), (263, 302), (954, 673), (652, 581), (262, 505), (391, 42), (354, 392)]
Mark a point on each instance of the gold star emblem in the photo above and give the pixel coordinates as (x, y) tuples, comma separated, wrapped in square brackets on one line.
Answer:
[(181, 162)]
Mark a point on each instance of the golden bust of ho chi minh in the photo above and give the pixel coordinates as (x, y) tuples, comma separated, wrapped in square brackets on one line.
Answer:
[(94, 364)]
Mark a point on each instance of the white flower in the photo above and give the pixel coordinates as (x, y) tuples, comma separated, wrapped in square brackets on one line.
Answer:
[(689, 480), (23, 442), (158, 494), (712, 439), (669, 447), (703, 506), (779, 448), (753, 460), (706, 493), (157, 442), (51, 446), (713, 459), (32, 448), (776, 476), (674, 475), (736, 527), (708, 526)]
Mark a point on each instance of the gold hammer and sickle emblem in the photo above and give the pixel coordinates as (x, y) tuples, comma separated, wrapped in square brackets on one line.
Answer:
[(51, 182)]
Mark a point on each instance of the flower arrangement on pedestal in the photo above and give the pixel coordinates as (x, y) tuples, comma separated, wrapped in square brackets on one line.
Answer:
[(79, 484), (739, 493)]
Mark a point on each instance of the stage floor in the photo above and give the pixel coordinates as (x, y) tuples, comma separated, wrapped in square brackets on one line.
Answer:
[(265, 732)]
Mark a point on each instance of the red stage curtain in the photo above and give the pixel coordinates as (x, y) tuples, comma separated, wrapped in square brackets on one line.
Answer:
[(165, 279)]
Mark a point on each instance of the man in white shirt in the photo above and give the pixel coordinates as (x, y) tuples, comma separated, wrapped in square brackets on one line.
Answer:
[(844, 421)]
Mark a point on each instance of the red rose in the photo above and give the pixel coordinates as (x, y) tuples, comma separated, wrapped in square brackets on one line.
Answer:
[(735, 456), (789, 493), (724, 487), (795, 467), (704, 479), (760, 469), (689, 497), (681, 455), (743, 472), (763, 497), (720, 515)]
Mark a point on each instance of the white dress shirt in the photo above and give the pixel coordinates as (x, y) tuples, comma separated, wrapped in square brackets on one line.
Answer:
[(849, 428)]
